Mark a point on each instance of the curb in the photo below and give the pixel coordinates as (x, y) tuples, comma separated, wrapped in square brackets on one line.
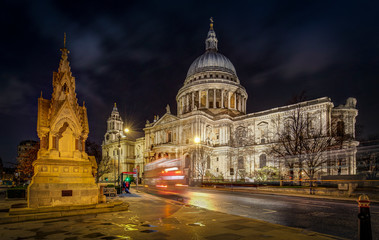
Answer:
[(287, 194)]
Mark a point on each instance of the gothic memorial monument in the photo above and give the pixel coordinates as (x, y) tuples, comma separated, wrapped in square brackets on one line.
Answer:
[(63, 172)]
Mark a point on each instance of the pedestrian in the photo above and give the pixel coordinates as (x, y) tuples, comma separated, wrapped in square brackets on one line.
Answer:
[(123, 186), (127, 185)]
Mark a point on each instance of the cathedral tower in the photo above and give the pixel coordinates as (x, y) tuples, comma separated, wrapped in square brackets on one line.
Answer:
[(63, 172), (114, 126)]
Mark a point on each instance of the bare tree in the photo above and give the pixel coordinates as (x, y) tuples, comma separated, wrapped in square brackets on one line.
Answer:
[(302, 144), (104, 163), (201, 161), (105, 166), (241, 142)]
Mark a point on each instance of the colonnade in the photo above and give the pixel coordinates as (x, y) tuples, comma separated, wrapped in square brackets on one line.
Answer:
[(212, 98)]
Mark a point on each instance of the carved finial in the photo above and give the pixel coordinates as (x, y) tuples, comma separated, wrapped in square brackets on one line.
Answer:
[(211, 24), (41, 94), (64, 41), (115, 105), (84, 103), (168, 109)]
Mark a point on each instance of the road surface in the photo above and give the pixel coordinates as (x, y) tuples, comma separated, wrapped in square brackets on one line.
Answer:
[(333, 217)]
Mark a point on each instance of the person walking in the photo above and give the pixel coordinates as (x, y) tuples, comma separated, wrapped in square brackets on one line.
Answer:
[(127, 186)]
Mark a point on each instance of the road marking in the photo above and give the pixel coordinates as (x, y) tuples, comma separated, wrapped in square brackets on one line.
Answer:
[(268, 211), (245, 206), (312, 205)]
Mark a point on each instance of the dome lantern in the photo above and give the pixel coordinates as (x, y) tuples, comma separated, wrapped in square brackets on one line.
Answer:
[(211, 41)]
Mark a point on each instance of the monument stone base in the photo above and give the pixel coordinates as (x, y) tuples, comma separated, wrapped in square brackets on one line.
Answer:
[(62, 183)]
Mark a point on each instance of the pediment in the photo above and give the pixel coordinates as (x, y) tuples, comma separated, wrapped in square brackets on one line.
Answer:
[(166, 119)]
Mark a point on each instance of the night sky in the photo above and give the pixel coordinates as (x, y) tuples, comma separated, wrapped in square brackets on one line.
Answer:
[(137, 54)]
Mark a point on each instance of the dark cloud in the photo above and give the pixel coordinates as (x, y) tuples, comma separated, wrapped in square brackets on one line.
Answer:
[(138, 53)]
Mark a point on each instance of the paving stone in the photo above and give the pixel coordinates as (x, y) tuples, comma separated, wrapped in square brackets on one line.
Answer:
[(225, 236), (94, 235), (236, 226), (170, 221), (71, 238)]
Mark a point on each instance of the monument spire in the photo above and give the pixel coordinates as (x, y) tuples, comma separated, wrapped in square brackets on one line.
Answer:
[(64, 65), (211, 41)]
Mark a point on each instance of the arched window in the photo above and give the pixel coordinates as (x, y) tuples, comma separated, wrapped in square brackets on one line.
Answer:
[(241, 164), (262, 161)]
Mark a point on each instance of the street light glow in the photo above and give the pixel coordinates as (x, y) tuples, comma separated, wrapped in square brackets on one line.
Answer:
[(126, 130), (197, 140)]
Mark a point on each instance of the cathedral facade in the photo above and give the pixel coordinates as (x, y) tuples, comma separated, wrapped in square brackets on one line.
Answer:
[(233, 144)]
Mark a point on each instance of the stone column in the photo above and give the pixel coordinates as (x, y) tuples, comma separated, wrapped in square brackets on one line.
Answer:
[(240, 103), (193, 100), (187, 103), (229, 100), (222, 98), (214, 98), (207, 100), (199, 99)]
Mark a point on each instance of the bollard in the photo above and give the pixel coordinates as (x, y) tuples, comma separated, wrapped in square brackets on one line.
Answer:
[(364, 218)]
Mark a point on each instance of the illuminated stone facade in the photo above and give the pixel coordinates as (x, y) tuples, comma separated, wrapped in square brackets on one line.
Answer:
[(123, 150), (234, 144), (63, 172)]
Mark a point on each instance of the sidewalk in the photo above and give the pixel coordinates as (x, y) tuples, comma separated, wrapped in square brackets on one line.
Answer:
[(275, 191), (17, 211), (151, 217)]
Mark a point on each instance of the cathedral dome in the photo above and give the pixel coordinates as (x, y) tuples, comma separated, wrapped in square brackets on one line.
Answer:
[(211, 61), (212, 84)]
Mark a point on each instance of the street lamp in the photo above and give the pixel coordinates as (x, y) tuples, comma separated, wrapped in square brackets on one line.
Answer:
[(119, 153), (126, 130), (197, 141)]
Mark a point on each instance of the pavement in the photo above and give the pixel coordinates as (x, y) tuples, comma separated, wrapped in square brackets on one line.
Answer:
[(12, 211), (374, 198), (151, 217)]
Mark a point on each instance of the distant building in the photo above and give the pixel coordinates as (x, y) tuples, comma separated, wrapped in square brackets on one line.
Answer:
[(124, 149)]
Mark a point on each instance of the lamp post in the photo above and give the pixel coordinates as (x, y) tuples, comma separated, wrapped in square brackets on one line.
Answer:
[(119, 153), (126, 130), (197, 141)]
